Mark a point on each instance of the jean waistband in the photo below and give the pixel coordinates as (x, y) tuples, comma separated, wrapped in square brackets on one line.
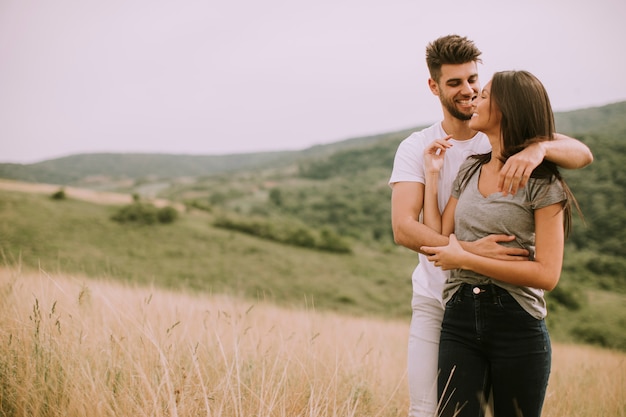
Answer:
[(481, 290)]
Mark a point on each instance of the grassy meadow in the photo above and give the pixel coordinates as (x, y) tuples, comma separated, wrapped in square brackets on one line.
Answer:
[(185, 319), (79, 237), (103, 318), (77, 346)]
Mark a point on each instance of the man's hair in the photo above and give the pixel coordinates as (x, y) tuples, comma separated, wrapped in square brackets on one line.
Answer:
[(450, 49)]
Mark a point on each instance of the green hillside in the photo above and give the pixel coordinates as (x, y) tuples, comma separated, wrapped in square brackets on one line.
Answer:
[(77, 237), (256, 231), (80, 239), (606, 120), (103, 170)]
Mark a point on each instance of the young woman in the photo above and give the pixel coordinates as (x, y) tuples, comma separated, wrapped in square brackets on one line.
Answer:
[(494, 337)]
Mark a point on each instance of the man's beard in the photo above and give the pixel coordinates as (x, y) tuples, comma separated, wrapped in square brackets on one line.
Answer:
[(451, 107)]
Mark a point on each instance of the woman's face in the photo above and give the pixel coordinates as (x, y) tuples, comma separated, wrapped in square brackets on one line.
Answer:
[(486, 117)]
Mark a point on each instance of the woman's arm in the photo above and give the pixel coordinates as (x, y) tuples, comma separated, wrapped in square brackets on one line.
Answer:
[(432, 216), (447, 218), (434, 155), (543, 272)]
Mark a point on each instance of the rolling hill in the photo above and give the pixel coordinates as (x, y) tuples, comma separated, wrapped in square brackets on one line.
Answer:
[(243, 226)]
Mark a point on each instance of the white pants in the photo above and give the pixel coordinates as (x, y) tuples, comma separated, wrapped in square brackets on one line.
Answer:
[(423, 351)]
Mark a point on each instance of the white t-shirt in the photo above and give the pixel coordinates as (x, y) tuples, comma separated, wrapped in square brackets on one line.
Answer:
[(408, 166)]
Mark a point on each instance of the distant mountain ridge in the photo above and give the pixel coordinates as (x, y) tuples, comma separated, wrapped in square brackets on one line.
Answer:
[(73, 169), (609, 119)]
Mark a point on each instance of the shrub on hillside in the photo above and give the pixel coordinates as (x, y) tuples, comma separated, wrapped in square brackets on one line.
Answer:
[(569, 296), (136, 213), (610, 335), (59, 195), (284, 231), (331, 241), (198, 204), (142, 213), (167, 214)]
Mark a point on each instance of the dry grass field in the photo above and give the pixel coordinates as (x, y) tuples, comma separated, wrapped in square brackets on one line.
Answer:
[(73, 346)]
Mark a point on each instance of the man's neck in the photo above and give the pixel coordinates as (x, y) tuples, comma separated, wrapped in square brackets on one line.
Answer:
[(459, 129)]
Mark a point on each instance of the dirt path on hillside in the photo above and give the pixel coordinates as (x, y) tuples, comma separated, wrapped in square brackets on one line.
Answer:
[(97, 197)]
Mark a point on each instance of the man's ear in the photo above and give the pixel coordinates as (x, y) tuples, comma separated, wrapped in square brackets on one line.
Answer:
[(434, 87)]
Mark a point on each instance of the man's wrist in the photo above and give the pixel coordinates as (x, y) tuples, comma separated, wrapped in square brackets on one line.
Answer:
[(467, 246), (542, 148)]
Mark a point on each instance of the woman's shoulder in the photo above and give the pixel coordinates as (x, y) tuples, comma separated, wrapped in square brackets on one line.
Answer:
[(469, 163), (545, 191)]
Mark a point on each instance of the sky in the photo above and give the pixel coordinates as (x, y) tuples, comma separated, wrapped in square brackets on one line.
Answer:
[(235, 76)]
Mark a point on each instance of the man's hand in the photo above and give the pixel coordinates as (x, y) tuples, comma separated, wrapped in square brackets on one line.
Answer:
[(453, 255), (517, 169), (489, 247)]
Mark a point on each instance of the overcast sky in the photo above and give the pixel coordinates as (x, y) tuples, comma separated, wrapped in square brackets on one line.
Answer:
[(231, 76)]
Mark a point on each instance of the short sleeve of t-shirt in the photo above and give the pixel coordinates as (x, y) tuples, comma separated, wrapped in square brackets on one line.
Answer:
[(544, 192), (408, 162)]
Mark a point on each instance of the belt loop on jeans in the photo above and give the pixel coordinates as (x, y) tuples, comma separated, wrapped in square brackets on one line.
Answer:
[(495, 297), (459, 294)]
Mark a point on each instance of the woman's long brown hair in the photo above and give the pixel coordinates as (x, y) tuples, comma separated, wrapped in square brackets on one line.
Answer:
[(527, 118)]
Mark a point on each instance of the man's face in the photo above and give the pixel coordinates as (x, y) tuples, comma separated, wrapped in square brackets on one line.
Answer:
[(458, 86)]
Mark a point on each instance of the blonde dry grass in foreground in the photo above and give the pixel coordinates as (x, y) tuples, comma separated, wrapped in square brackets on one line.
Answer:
[(77, 347)]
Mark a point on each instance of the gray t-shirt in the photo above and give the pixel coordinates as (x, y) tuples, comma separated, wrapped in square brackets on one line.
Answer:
[(477, 216)]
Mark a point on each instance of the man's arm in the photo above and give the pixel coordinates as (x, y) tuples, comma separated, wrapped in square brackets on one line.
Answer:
[(407, 200), (542, 272), (566, 152)]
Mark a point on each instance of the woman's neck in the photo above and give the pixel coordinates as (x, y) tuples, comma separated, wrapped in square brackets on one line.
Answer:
[(494, 164), (496, 148)]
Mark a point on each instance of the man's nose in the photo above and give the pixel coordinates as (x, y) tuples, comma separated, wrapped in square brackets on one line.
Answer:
[(467, 89)]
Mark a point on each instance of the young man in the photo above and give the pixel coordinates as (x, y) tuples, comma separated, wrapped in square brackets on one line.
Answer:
[(453, 65)]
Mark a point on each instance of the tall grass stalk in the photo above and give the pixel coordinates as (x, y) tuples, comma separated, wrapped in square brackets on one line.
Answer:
[(72, 346)]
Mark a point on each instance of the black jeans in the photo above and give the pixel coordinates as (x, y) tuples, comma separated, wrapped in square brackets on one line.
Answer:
[(490, 344)]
